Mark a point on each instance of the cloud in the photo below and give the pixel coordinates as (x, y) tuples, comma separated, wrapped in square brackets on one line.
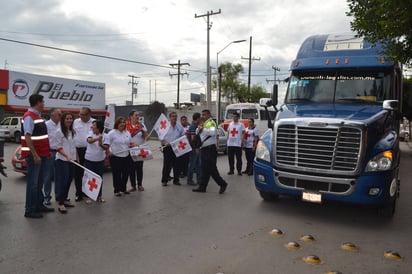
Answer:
[(160, 33)]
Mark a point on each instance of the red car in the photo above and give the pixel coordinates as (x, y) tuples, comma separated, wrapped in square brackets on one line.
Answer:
[(20, 165)]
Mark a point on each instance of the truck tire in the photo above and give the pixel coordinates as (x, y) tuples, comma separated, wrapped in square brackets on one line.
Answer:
[(17, 137), (388, 210), (268, 196)]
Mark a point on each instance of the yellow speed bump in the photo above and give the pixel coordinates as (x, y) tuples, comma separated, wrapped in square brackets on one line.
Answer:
[(333, 272), (349, 246), (312, 259), (292, 245), (392, 255), (307, 238), (276, 232)]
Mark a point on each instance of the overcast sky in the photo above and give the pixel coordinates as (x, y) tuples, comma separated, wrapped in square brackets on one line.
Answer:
[(159, 33)]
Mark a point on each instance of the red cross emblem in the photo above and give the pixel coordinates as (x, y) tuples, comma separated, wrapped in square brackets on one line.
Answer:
[(143, 153), (234, 132), (107, 114), (92, 184), (182, 145), (247, 135), (163, 124)]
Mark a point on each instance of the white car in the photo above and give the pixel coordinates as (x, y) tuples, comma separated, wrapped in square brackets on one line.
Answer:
[(10, 128)]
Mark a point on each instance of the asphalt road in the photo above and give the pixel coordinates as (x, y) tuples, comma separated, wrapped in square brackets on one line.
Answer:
[(173, 230)]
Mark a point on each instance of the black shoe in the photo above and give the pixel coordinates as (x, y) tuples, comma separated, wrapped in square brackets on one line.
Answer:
[(78, 198), (191, 183), (46, 209), (230, 173), (177, 183), (199, 189), (250, 174), (245, 171), (33, 215), (164, 183), (223, 188), (239, 173), (117, 194), (126, 192)]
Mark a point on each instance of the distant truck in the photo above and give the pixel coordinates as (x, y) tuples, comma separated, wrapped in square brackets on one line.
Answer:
[(335, 137), (247, 111)]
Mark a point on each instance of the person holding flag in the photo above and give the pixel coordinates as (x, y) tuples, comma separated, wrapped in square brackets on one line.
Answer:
[(95, 154), (174, 132), (119, 142), (66, 152), (208, 136), (138, 132)]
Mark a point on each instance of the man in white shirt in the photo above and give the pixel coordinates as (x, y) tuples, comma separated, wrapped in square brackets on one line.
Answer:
[(235, 131), (52, 125), (82, 127)]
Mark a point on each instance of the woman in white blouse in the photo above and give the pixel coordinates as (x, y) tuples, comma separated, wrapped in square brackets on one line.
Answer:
[(119, 141), (66, 152), (96, 154)]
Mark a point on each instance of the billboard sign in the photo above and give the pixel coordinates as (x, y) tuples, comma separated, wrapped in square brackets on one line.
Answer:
[(57, 92)]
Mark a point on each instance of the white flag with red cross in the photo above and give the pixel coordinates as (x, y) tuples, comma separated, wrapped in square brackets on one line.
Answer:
[(161, 126), (109, 119), (91, 184), (181, 146), (141, 153)]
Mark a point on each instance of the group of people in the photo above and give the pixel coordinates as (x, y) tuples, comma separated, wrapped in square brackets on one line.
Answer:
[(203, 136), (63, 146)]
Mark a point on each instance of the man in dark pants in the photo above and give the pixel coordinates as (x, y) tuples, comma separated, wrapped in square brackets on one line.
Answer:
[(208, 154), (82, 126), (169, 158)]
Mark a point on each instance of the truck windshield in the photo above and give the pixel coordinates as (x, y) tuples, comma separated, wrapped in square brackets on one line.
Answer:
[(339, 86)]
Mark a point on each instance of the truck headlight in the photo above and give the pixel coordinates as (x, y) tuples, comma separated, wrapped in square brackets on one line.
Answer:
[(262, 152), (382, 161)]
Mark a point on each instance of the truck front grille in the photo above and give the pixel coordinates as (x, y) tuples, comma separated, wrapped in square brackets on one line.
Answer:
[(329, 148)]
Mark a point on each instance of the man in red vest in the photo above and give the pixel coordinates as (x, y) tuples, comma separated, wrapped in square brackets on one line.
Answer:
[(36, 149)]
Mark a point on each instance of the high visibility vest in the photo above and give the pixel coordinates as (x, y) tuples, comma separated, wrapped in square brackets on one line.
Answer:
[(39, 136)]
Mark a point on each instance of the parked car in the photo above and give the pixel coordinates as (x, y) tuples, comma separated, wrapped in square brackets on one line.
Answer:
[(222, 140), (10, 128), (20, 165)]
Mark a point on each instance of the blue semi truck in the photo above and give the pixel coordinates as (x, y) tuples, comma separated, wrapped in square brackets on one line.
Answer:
[(335, 137)]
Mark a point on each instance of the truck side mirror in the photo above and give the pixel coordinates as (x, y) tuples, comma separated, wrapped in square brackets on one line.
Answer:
[(275, 95)]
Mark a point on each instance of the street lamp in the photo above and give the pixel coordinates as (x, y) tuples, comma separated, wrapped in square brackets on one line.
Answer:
[(218, 81)]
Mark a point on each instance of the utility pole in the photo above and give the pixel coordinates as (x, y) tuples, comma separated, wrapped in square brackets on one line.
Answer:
[(250, 64), (134, 85), (178, 65), (274, 76), (208, 71)]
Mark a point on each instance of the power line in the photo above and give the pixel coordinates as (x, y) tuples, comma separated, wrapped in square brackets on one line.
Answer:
[(90, 54)]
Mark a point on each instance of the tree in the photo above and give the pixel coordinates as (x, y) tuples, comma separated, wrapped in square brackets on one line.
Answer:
[(233, 89), (386, 21)]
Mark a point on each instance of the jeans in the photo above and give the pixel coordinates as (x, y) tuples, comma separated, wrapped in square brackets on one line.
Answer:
[(64, 177), (194, 163), (231, 153), (34, 183), (48, 177)]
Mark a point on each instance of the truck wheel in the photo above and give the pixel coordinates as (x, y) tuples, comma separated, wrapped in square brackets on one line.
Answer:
[(388, 210), (17, 137), (268, 196)]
